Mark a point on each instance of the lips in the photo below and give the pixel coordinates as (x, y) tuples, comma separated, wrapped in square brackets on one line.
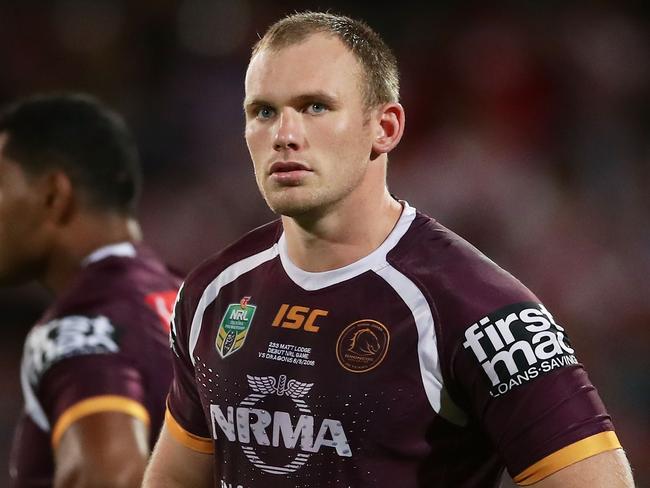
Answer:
[(289, 173), (287, 167)]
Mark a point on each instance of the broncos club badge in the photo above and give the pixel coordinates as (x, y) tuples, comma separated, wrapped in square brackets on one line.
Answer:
[(362, 345)]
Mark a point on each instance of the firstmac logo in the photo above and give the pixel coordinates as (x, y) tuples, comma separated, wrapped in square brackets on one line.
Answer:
[(518, 343)]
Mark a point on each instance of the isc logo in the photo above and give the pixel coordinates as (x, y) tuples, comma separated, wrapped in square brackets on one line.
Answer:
[(295, 317)]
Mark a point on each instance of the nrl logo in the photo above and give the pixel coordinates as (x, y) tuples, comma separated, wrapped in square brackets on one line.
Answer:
[(234, 327)]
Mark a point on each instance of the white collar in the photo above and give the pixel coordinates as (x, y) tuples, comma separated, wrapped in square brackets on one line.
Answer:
[(373, 261), (121, 249)]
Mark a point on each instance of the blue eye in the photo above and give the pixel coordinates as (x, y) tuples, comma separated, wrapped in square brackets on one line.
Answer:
[(265, 113), (316, 108)]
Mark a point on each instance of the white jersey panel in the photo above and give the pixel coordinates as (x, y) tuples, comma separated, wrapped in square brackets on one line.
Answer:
[(227, 276), (428, 357)]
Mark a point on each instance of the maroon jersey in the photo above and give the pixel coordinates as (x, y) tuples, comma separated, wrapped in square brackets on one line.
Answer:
[(423, 364), (102, 346)]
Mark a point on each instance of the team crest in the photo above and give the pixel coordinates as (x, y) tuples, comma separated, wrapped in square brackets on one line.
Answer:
[(362, 345), (234, 327)]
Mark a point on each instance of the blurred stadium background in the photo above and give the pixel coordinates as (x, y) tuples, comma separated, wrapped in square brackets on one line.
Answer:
[(527, 132)]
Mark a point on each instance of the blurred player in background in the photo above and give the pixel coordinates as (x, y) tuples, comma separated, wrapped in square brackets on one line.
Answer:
[(96, 367), (356, 342)]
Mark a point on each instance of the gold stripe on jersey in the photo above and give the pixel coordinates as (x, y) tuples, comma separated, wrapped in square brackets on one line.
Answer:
[(98, 404), (590, 446), (194, 442)]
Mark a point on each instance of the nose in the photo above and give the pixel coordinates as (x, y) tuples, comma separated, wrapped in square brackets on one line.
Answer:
[(289, 131)]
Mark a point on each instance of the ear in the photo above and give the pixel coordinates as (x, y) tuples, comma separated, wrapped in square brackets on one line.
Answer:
[(58, 197), (390, 127)]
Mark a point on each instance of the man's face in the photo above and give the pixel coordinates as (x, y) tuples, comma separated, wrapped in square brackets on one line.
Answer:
[(307, 128), (22, 229)]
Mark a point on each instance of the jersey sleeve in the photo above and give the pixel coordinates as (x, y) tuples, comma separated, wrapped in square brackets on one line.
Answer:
[(74, 366), (185, 418), (519, 374)]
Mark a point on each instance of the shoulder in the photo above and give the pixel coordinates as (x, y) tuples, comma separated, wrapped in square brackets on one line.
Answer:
[(254, 248), (115, 304), (204, 282), (462, 283), (126, 289)]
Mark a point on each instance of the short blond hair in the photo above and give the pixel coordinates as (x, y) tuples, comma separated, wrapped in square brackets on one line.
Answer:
[(380, 77)]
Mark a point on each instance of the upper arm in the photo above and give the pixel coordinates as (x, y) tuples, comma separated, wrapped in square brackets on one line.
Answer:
[(605, 470), (529, 392), (110, 448), (83, 387), (183, 455), (184, 408), (175, 465)]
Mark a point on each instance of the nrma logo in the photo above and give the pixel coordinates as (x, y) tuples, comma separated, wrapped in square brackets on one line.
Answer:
[(517, 344), (256, 428)]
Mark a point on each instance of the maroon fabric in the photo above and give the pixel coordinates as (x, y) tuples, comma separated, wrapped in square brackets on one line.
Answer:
[(316, 417), (106, 335)]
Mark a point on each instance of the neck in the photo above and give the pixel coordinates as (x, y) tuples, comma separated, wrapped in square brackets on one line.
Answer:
[(342, 236), (79, 239)]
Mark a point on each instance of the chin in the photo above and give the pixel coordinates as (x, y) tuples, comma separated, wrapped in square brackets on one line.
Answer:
[(292, 207), (288, 203), (289, 209)]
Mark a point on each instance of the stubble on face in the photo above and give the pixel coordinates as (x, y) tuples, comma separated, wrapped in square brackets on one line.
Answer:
[(335, 146), (322, 190)]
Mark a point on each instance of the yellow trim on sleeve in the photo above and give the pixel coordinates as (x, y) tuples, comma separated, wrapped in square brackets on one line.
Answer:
[(571, 454), (98, 404), (194, 442)]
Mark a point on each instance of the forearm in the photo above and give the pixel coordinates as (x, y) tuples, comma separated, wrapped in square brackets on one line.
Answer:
[(162, 475), (107, 449), (605, 470), (85, 476), (156, 477), (173, 465)]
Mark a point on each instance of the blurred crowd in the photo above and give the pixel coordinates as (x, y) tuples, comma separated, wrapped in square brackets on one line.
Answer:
[(528, 133)]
